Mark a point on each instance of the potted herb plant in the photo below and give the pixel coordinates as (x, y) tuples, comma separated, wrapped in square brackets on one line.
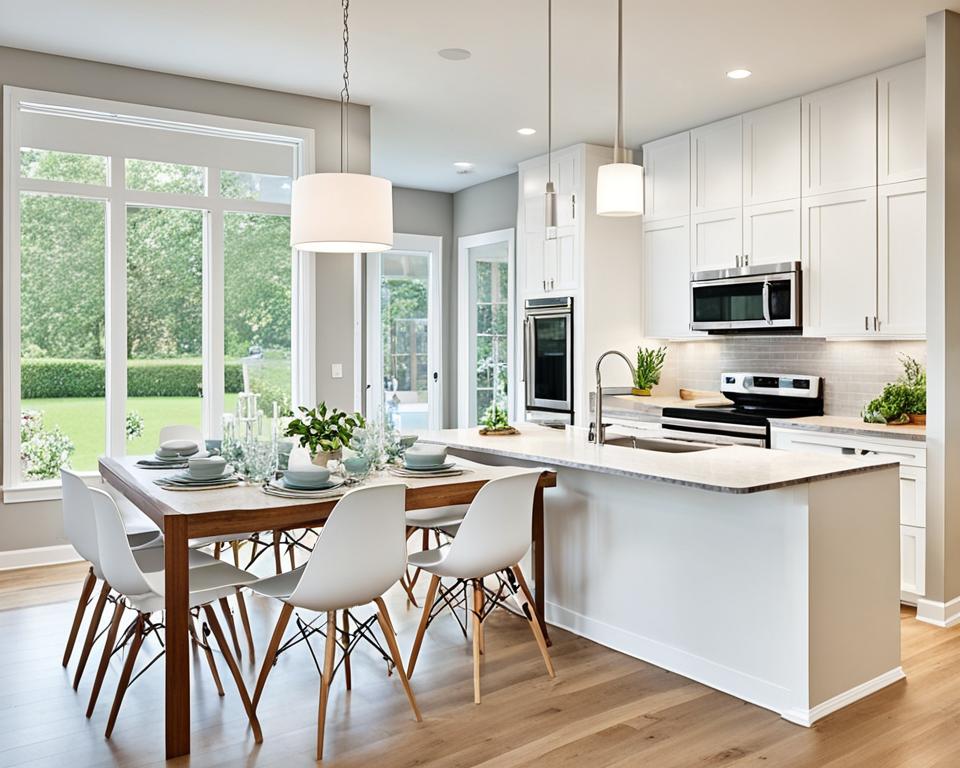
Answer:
[(902, 401), (324, 432), (649, 367), (495, 422)]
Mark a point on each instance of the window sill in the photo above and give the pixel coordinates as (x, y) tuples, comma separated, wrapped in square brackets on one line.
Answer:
[(42, 490)]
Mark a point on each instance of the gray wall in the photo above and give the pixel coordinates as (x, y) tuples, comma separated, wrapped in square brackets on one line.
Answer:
[(38, 524)]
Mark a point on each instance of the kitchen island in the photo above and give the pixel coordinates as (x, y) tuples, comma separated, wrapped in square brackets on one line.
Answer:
[(769, 575)]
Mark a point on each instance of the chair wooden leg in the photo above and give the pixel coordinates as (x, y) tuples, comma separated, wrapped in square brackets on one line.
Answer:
[(292, 551), (231, 625), (91, 633), (208, 652), (216, 549), (386, 625), (234, 670), (285, 612), (89, 583), (235, 545), (108, 642), (276, 552), (132, 653), (346, 653), (424, 618), (326, 679), (479, 599), (245, 621), (477, 606), (408, 588), (531, 612)]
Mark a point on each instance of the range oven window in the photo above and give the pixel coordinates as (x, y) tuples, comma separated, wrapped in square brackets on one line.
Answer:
[(738, 302), (550, 357)]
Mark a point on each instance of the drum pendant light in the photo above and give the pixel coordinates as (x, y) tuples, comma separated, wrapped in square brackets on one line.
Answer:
[(619, 184), (342, 212), (550, 194)]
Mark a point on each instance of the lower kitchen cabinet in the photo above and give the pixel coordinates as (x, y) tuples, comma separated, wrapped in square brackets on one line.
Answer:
[(912, 456)]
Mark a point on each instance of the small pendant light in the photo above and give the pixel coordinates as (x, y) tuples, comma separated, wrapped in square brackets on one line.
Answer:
[(619, 184), (550, 194), (342, 212)]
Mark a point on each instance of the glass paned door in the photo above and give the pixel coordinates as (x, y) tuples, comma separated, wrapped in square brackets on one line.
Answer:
[(403, 333)]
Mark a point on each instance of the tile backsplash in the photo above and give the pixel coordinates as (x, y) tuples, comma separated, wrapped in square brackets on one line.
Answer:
[(854, 372)]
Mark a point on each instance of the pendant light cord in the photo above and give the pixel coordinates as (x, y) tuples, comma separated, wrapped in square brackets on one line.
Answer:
[(618, 143), (549, 88), (345, 93)]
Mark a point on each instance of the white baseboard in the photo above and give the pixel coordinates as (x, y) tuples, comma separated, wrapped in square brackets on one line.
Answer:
[(937, 613), (29, 558), (807, 717)]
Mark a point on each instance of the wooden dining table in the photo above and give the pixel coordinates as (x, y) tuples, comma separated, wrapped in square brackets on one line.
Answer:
[(185, 515)]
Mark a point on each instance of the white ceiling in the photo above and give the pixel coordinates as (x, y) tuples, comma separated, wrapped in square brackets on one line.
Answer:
[(429, 112)]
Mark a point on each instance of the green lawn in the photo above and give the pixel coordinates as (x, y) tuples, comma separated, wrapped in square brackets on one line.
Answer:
[(83, 420)]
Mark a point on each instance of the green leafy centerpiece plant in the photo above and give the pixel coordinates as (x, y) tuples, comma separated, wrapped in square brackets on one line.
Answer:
[(902, 401), (495, 422), (324, 432), (649, 367)]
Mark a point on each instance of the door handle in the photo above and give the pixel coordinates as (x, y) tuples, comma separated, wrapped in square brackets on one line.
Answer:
[(766, 302), (436, 375)]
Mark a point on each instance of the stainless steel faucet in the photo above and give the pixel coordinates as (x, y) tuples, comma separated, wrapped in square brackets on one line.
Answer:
[(599, 436)]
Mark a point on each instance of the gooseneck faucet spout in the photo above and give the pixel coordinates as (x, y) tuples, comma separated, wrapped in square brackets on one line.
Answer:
[(598, 435)]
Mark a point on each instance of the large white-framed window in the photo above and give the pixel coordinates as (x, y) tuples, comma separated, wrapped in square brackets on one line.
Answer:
[(485, 326), (404, 311), (145, 255)]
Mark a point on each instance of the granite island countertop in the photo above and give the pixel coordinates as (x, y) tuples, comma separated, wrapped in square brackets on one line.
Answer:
[(726, 469)]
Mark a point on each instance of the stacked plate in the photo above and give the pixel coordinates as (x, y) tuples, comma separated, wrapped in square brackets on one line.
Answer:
[(173, 454), (426, 461), (312, 489), (202, 473)]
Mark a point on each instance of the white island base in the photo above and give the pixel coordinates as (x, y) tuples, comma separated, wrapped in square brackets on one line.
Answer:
[(787, 598)]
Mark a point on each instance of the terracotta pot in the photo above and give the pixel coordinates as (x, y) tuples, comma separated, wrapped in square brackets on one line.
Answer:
[(322, 457), (918, 418), (640, 392)]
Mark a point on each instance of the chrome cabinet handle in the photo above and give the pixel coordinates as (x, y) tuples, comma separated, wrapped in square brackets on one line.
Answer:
[(766, 302), (746, 259), (736, 257), (876, 325), (866, 323)]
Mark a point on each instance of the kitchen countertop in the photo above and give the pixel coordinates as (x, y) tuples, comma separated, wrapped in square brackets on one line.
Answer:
[(727, 469), (852, 425)]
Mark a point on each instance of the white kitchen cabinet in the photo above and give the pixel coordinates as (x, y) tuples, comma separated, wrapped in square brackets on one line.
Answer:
[(839, 137), (716, 166), (771, 232), (901, 259), (913, 492), (666, 179), (716, 239), (901, 123), (534, 268), (666, 278), (839, 249), (771, 154)]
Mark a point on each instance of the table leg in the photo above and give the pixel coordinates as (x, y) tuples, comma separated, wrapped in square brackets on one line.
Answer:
[(177, 691), (538, 558)]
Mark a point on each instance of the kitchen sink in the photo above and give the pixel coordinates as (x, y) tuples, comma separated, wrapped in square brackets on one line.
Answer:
[(663, 445)]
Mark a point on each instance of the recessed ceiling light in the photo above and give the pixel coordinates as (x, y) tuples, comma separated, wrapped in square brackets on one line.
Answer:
[(463, 164), (739, 74), (454, 54), (526, 131)]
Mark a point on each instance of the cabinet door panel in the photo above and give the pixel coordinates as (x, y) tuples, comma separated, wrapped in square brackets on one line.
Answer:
[(839, 137), (901, 263), (771, 153), (564, 277), (839, 242), (913, 558), (771, 232), (716, 239), (666, 177), (666, 278), (534, 253), (716, 166), (913, 496), (901, 123)]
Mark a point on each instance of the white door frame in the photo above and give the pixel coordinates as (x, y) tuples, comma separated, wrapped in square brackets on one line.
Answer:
[(466, 339), (432, 244)]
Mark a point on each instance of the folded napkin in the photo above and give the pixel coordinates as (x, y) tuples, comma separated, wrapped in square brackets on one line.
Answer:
[(158, 464)]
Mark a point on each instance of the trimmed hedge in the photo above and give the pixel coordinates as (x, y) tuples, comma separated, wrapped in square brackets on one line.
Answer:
[(47, 378)]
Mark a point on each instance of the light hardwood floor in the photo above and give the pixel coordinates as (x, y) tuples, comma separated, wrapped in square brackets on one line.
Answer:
[(603, 709)]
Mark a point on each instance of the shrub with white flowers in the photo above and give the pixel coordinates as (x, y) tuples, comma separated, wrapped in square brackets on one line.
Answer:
[(42, 451), (134, 425)]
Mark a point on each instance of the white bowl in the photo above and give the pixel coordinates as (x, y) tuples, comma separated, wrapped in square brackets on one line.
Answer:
[(308, 476), (421, 455), (177, 448), (204, 468)]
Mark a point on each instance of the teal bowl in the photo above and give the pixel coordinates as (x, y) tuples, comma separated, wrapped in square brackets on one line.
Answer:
[(425, 456), (356, 465), (308, 477)]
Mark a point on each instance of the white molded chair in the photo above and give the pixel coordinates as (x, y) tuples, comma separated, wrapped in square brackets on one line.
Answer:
[(182, 432), (425, 520), (143, 591), (360, 554), (492, 538)]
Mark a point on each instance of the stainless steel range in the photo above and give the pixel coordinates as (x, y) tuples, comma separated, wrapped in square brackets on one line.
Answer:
[(756, 397)]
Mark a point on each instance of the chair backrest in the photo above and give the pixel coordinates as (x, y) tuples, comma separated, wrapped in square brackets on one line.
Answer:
[(120, 569), (182, 432), (361, 552), (79, 524), (496, 532)]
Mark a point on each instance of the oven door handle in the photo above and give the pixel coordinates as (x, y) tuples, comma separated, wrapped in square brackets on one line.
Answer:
[(528, 359), (718, 426), (766, 302)]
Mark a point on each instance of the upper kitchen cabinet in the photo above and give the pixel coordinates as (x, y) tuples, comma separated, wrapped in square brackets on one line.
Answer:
[(771, 232), (901, 123), (666, 278), (716, 240), (716, 166), (901, 259), (666, 168), (839, 138), (771, 154)]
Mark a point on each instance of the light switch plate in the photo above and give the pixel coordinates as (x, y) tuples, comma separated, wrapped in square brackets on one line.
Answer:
[(336, 370)]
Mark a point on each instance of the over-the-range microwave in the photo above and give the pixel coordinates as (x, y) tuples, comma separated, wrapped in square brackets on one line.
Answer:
[(755, 299)]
